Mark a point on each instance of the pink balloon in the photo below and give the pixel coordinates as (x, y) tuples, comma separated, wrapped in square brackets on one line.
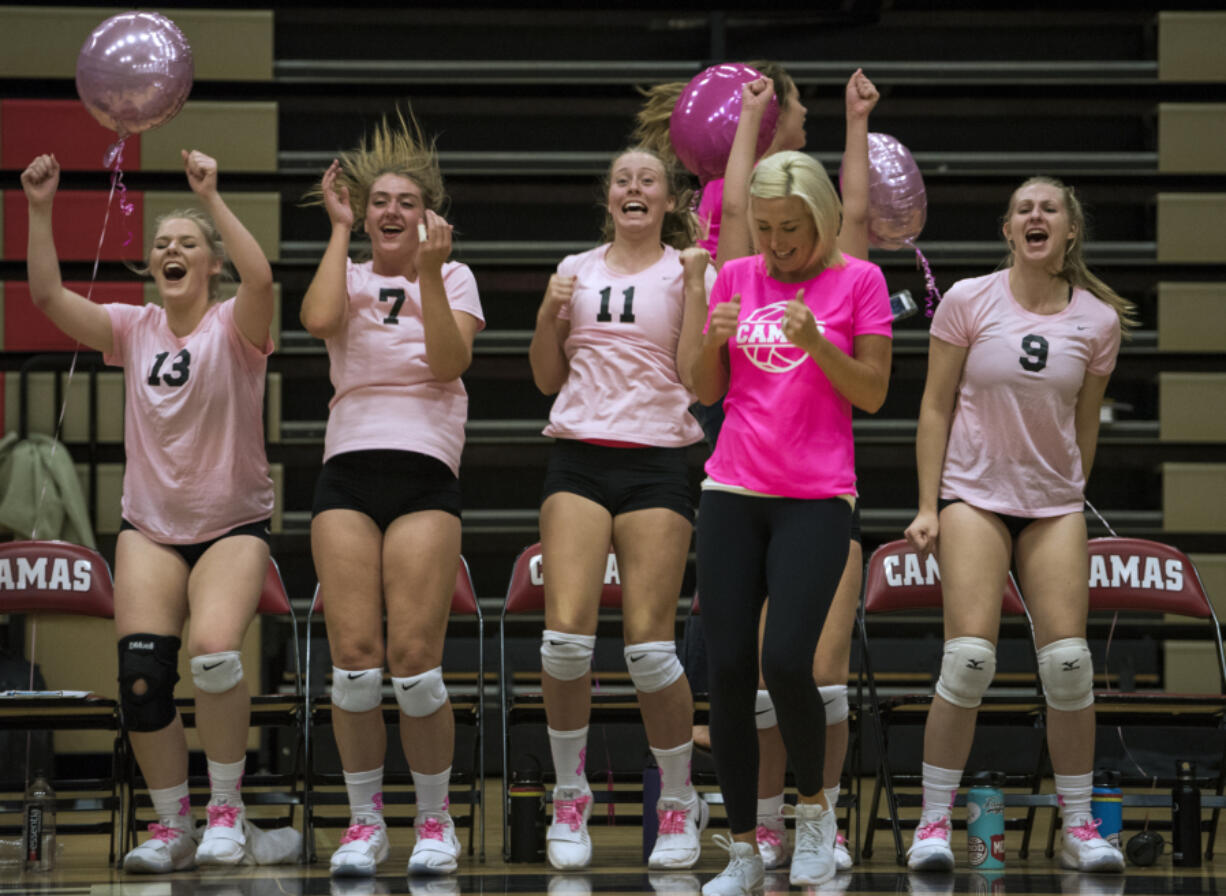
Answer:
[(705, 116), (897, 202), (135, 72)]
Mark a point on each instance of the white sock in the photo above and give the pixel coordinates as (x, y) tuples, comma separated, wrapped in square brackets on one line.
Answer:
[(675, 783), (173, 806), (770, 807), (365, 791), (1075, 792), (432, 791), (225, 778), (569, 749), (940, 787), (832, 796)]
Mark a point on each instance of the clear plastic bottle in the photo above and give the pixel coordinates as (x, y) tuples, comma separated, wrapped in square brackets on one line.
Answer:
[(39, 825)]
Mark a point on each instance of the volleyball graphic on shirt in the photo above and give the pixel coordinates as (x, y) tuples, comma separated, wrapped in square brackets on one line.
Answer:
[(760, 336)]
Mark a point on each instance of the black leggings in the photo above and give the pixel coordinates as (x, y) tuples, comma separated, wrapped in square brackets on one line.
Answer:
[(794, 550)]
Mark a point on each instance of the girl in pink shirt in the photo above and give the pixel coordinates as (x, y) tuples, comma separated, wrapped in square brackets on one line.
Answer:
[(795, 337), (1017, 367), (612, 337), (197, 497), (385, 528)]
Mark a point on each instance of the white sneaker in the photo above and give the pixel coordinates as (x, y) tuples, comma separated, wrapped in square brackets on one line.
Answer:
[(678, 844), (773, 843), (813, 854), (930, 847), (567, 844), (224, 841), (437, 850), (1085, 850), (168, 849), (363, 846), (842, 855), (743, 876)]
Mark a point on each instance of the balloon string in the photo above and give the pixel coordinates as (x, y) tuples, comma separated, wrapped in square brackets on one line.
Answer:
[(934, 294)]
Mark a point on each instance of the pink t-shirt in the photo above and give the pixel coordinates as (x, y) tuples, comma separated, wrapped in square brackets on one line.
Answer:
[(1013, 442), (622, 351), (193, 424), (710, 208), (787, 430), (385, 395)]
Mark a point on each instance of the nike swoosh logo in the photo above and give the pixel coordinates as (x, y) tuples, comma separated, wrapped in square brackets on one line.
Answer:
[(353, 675), (556, 643), (207, 668), (762, 712), (410, 686), (635, 659)]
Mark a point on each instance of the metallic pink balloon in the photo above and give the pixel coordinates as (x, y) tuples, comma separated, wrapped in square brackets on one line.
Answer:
[(705, 116), (135, 72), (897, 202)]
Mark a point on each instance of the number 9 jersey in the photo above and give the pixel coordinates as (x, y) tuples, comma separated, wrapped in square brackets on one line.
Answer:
[(1013, 443)]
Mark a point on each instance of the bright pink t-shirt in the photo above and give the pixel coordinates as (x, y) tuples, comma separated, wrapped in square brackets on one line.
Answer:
[(787, 430), (1013, 442), (710, 208), (193, 424), (623, 383), (385, 395)]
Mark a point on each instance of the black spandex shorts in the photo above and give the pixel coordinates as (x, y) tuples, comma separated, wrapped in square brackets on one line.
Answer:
[(386, 485), (191, 553), (1015, 524), (621, 479)]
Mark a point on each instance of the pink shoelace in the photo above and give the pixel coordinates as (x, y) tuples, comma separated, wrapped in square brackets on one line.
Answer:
[(672, 821), (163, 832), (359, 832), (225, 816), (431, 829), (1087, 831), (938, 828), (570, 812), (769, 836)]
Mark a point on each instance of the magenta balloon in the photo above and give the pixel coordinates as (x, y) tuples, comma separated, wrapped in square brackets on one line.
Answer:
[(897, 202), (135, 72), (704, 119)]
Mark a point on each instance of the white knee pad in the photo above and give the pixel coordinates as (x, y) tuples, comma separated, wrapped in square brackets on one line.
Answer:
[(967, 669), (835, 698), (216, 673), (421, 695), (653, 665), (764, 711), (357, 690), (566, 657), (1068, 674)]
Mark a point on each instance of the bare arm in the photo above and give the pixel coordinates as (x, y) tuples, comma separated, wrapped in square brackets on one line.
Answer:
[(945, 363), (74, 314), (449, 333), (862, 377), (546, 353), (861, 96), (326, 300), (1086, 418), (735, 236), (694, 264), (253, 304), (709, 370)]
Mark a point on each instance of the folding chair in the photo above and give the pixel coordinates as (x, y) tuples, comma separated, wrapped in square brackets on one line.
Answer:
[(55, 577), (898, 580), (1141, 578), (467, 704), (281, 707)]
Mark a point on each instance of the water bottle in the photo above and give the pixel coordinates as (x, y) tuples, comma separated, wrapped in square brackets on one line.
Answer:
[(39, 825), (985, 822), (651, 796), (527, 822), (1185, 816), (1107, 806)]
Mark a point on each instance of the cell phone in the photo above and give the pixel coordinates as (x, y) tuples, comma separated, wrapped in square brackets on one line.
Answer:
[(902, 305)]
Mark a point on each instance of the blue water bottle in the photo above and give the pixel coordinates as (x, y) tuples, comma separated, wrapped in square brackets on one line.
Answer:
[(985, 822), (1107, 806)]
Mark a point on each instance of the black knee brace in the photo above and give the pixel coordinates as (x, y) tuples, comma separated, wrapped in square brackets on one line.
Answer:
[(154, 661)]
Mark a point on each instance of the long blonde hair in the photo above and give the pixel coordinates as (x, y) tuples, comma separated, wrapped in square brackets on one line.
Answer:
[(791, 173), (1074, 270), (680, 227), (394, 147)]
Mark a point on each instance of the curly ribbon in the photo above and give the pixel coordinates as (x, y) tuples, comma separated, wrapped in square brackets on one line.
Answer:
[(934, 294)]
